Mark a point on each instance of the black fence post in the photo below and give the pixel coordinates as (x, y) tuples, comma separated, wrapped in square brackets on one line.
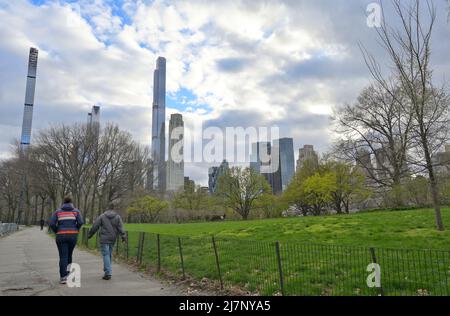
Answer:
[(280, 268), (217, 262), (117, 245), (138, 256), (141, 258), (374, 259), (181, 257), (158, 242), (127, 243)]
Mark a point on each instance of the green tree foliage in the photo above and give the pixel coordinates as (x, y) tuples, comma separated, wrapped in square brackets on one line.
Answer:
[(331, 184), (318, 190), (271, 206), (349, 186), (418, 191), (147, 209), (295, 194), (240, 189), (192, 198)]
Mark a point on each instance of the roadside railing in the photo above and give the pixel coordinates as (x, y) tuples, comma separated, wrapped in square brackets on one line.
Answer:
[(289, 268), (7, 228)]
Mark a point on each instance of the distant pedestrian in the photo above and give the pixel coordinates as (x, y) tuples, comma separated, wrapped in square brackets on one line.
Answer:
[(111, 226), (42, 223), (66, 223)]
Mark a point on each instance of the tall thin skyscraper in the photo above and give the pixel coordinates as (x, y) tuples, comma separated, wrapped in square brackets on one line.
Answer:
[(94, 120), (29, 100), (94, 116), (159, 126), (175, 164), (27, 122)]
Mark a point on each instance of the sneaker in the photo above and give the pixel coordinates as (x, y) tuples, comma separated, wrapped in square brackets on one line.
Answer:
[(63, 280), (106, 277)]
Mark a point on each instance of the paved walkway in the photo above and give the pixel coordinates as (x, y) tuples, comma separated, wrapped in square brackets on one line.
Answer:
[(29, 266)]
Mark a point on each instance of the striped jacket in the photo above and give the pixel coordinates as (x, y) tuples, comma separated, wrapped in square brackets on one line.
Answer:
[(67, 220)]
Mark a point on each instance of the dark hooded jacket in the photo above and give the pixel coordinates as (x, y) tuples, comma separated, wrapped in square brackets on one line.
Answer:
[(110, 225)]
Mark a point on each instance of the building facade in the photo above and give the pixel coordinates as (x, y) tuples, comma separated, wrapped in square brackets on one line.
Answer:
[(213, 176), (261, 162), (175, 164), (29, 99), (307, 153), (275, 163), (286, 170), (441, 161), (159, 126)]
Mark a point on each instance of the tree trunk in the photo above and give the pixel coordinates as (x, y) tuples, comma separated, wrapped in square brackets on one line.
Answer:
[(434, 188)]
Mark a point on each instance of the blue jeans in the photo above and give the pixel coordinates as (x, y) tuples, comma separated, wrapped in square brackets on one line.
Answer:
[(66, 244), (107, 250)]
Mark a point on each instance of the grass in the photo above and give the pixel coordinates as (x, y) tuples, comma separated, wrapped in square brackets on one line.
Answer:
[(413, 229), (319, 255)]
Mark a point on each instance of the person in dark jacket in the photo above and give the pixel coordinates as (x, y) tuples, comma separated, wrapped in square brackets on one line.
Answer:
[(111, 226), (42, 223), (66, 223)]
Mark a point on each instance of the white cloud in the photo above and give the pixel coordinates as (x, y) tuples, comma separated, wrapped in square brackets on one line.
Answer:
[(287, 62)]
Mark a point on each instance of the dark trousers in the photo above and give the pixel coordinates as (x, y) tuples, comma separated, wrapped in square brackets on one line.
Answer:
[(66, 244)]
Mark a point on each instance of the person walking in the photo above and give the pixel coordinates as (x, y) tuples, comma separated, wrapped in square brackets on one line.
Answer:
[(111, 226), (66, 223), (42, 223)]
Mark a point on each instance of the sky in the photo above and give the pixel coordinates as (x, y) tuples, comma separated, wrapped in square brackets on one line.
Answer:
[(236, 63)]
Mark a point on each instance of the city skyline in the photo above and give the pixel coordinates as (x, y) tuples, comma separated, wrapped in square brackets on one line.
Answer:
[(247, 70)]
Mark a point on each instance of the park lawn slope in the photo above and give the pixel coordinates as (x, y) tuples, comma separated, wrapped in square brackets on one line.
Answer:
[(411, 229), (326, 255)]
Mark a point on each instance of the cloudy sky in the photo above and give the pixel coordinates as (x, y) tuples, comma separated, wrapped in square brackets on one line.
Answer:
[(229, 63)]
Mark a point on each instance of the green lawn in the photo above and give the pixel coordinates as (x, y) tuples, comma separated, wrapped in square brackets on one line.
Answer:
[(319, 255), (386, 229)]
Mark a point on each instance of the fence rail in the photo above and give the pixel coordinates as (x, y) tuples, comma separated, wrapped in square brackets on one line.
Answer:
[(7, 228), (290, 268)]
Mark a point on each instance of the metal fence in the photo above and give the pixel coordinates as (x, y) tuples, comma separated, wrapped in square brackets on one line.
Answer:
[(6, 228), (289, 268)]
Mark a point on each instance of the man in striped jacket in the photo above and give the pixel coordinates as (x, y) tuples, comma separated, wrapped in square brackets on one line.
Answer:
[(66, 223)]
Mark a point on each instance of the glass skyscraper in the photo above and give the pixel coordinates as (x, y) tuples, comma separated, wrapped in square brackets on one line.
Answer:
[(275, 163), (159, 126), (29, 99), (282, 177)]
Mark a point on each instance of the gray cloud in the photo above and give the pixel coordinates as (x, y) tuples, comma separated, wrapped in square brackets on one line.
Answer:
[(232, 64), (254, 63)]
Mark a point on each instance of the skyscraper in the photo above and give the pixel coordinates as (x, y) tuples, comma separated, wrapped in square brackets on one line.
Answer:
[(27, 122), (29, 99), (94, 115), (175, 164), (283, 176), (275, 163), (159, 126), (307, 153), (261, 161), (214, 174), (94, 121)]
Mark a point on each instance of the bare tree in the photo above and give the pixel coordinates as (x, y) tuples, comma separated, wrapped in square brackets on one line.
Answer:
[(241, 188), (409, 50), (378, 126)]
